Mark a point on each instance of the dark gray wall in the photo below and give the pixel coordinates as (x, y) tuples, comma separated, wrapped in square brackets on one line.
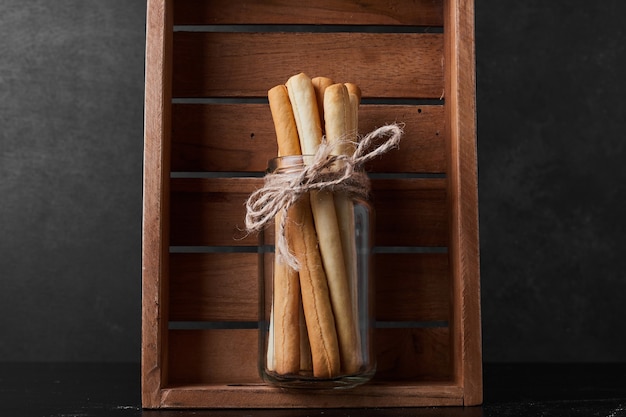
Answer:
[(71, 137), (551, 134), (552, 145)]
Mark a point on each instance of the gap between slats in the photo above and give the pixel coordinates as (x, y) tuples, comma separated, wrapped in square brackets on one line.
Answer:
[(293, 28), (233, 325)]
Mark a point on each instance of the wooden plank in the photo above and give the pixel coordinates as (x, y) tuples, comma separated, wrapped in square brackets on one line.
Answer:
[(344, 12), (407, 65), (422, 147), (412, 287), (155, 235), (213, 356), (214, 287), (463, 191), (224, 287), (419, 354), (241, 137), (229, 356), (222, 137), (210, 211), (410, 212)]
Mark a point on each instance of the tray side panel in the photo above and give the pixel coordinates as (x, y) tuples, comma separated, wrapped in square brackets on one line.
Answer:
[(155, 233), (371, 395), (463, 196)]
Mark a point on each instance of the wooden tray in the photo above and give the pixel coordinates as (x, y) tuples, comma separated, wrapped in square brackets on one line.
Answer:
[(208, 136)]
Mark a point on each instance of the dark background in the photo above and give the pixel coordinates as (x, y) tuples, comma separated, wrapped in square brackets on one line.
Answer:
[(552, 183)]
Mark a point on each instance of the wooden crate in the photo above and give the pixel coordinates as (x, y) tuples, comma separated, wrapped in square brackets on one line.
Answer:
[(208, 136)]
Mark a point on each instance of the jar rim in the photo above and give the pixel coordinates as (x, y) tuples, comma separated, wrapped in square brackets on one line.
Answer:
[(288, 161)]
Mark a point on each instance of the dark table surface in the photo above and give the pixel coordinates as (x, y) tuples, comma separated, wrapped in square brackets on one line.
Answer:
[(91, 390)]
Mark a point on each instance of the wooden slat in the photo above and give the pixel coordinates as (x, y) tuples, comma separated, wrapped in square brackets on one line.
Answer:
[(246, 64), (214, 287), (209, 356), (241, 137), (409, 212), (211, 211), (413, 354), (222, 137), (412, 287), (345, 12), (224, 287), (422, 147), (213, 356)]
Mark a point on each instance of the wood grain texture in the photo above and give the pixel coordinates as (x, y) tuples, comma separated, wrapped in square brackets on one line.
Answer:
[(211, 211), (463, 192), (409, 212), (155, 233), (420, 354), (207, 356), (398, 394), (344, 12), (412, 287), (214, 287), (240, 137), (224, 287), (405, 65), (213, 356)]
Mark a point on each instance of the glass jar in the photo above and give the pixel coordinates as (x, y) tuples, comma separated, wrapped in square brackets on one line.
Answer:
[(317, 319)]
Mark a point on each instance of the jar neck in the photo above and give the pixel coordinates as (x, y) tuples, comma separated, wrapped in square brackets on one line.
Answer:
[(288, 163)]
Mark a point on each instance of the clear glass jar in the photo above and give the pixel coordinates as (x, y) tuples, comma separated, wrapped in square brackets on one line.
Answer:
[(317, 321)]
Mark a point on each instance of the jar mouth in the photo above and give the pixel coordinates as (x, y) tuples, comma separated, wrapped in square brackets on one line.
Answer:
[(281, 163)]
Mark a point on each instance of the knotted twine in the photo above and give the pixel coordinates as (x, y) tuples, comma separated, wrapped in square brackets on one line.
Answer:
[(335, 173)]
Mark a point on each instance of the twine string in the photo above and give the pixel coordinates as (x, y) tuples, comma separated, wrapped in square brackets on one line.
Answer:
[(336, 173)]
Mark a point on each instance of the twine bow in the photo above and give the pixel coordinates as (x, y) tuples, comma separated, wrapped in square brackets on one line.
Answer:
[(325, 172)]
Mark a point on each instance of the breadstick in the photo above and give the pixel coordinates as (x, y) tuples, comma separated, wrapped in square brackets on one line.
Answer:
[(353, 131), (305, 111), (339, 123), (319, 85), (354, 89), (326, 223), (355, 100), (314, 287), (348, 218), (269, 364), (318, 312), (285, 322), (305, 347), (284, 121)]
